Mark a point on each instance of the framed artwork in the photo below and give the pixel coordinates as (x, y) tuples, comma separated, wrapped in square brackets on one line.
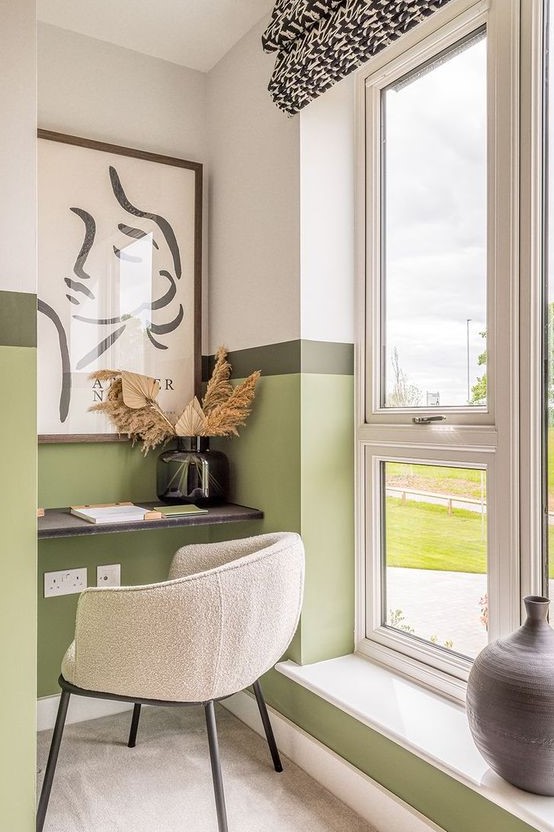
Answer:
[(119, 286)]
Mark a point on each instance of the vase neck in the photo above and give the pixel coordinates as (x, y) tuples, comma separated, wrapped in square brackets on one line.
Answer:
[(536, 608), (193, 443)]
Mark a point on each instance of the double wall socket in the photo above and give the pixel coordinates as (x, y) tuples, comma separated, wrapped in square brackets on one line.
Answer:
[(65, 582), (69, 581)]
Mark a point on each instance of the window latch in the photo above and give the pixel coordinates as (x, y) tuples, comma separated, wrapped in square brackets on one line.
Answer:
[(426, 420)]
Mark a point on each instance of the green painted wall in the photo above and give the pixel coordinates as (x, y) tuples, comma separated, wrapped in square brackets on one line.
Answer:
[(327, 515), (17, 578)]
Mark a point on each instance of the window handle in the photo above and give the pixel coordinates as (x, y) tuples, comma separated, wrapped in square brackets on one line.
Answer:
[(426, 420)]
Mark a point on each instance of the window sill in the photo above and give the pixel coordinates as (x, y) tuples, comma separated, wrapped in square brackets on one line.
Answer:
[(419, 720)]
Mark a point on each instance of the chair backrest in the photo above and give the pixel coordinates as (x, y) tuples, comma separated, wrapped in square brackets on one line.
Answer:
[(226, 616), (260, 586)]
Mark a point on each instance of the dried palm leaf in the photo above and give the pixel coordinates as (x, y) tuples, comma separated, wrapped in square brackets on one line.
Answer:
[(191, 421), (138, 391)]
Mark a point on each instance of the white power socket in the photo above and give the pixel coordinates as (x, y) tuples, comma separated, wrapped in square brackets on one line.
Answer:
[(65, 582), (108, 575)]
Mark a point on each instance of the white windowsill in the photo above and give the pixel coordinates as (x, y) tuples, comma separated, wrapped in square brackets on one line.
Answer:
[(419, 720)]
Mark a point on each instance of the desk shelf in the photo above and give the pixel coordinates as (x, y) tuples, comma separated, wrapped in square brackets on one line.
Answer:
[(59, 522)]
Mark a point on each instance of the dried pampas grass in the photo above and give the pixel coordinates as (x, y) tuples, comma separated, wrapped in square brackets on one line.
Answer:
[(225, 418), (219, 387), (148, 423), (132, 407)]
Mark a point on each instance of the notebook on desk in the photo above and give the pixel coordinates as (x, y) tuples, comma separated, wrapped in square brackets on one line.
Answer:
[(115, 513), (179, 511)]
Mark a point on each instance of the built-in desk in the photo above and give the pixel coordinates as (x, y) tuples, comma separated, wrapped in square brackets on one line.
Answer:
[(59, 522)]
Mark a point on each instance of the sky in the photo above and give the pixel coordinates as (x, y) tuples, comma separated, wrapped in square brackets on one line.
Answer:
[(435, 242)]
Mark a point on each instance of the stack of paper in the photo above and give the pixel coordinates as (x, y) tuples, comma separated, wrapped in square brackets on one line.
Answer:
[(111, 514)]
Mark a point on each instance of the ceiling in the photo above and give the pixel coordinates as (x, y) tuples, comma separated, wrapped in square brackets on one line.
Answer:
[(193, 33)]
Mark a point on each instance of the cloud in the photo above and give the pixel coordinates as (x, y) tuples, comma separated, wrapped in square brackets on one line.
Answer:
[(435, 223)]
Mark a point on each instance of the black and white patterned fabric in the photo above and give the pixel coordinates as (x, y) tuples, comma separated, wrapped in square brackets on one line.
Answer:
[(319, 42)]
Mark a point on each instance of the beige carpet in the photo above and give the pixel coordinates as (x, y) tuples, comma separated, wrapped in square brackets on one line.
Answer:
[(164, 784)]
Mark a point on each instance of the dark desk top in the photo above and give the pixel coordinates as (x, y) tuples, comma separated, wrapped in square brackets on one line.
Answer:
[(59, 522)]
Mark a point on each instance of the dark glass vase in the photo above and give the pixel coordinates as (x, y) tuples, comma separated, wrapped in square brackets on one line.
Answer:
[(191, 473), (510, 702)]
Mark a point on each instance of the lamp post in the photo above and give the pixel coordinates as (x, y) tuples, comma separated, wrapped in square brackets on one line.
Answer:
[(468, 321)]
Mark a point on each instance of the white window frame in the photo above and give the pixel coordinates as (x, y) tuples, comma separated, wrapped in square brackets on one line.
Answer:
[(502, 437), (533, 470)]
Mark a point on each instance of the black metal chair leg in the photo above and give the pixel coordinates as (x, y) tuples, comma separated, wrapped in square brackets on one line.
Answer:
[(216, 767), (267, 727), (134, 726), (52, 760)]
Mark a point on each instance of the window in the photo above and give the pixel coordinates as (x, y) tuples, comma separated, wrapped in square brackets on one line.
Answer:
[(449, 465), (434, 554), (434, 225)]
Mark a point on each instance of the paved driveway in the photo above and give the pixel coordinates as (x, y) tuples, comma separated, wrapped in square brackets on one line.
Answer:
[(442, 604)]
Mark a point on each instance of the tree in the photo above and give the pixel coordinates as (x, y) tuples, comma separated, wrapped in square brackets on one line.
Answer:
[(403, 393), (479, 389)]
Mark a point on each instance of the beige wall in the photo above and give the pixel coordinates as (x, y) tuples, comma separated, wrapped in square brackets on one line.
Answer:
[(17, 146), (224, 119), (254, 197), (327, 167), (95, 89)]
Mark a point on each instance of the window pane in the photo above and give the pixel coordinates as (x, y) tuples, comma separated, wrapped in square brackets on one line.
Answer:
[(434, 236), (435, 554)]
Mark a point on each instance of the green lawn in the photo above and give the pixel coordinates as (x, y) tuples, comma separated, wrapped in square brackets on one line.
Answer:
[(441, 479), (425, 536)]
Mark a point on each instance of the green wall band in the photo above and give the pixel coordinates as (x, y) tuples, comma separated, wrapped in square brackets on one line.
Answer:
[(18, 319), (301, 356)]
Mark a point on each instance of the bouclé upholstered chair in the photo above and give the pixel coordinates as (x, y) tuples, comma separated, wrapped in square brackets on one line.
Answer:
[(225, 616)]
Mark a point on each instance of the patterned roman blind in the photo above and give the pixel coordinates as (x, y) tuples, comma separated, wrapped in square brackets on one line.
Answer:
[(319, 42)]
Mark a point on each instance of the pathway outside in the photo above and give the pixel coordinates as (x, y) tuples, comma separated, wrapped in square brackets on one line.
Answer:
[(442, 604)]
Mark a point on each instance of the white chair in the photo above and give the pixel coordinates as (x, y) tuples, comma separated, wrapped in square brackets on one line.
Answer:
[(225, 616)]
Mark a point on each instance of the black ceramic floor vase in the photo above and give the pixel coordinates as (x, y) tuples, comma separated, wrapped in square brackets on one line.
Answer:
[(510, 702)]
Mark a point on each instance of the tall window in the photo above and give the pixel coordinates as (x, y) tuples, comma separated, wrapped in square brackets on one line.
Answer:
[(438, 453), (434, 226)]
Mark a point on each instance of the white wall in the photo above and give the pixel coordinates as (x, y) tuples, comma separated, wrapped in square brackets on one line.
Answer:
[(327, 156), (90, 88), (253, 203), (17, 146)]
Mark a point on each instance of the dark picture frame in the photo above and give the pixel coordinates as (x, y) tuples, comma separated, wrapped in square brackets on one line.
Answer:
[(108, 215)]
